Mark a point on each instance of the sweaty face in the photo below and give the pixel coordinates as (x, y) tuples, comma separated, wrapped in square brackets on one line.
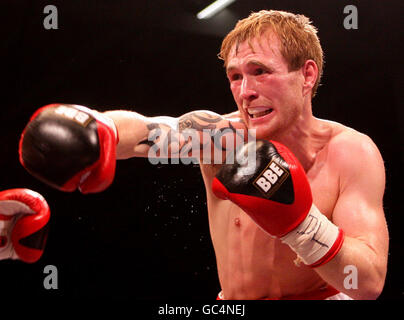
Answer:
[(268, 96)]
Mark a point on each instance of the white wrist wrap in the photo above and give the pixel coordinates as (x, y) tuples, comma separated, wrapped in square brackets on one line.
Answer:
[(316, 240)]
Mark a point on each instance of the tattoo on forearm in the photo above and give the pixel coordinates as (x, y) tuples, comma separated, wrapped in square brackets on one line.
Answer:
[(165, 136)]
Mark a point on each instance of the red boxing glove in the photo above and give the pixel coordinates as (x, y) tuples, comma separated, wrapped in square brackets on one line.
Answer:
[(24, 217), (70, 147), (275, 193)]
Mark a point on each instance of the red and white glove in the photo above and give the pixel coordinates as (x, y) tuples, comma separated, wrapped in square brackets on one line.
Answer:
[(70, 147), (24, 217), (276, 194)]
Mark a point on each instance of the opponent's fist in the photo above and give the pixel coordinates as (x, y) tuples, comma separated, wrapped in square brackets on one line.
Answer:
[(70, 147), (276, 194), (24, 217)]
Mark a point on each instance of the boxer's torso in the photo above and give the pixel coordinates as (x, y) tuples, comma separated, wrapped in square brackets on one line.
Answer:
[(252, 264)]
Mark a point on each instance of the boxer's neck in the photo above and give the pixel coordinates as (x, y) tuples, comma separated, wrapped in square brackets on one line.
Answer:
[(306, 138)]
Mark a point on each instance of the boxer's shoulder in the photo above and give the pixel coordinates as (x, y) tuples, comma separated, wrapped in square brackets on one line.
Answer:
[(350, 151), (348, 142)]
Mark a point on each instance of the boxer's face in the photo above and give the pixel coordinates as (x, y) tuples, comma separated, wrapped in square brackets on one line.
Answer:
[(268, 96)]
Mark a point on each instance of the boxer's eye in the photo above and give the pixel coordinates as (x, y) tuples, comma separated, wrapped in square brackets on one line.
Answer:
[(235, 77), (259, 71)]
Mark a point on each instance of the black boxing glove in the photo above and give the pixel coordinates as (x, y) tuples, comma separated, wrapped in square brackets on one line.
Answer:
[(70, 147)]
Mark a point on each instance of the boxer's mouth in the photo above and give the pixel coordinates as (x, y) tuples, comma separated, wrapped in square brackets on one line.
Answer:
[(259, 112)]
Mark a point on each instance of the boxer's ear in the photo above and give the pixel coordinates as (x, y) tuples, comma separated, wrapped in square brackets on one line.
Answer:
[(310, 74)]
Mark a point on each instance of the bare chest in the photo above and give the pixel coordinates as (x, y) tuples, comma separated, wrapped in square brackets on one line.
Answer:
[(228, 223), (247, 257)]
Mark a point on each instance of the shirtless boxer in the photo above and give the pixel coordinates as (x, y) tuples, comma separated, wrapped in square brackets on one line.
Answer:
[(274, 63)]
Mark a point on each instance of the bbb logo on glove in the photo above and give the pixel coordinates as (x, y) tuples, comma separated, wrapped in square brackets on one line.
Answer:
[(74, 114), (269, 180)]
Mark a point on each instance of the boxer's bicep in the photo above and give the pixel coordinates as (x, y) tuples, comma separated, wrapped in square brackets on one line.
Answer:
[(359, 209), (198, 134)]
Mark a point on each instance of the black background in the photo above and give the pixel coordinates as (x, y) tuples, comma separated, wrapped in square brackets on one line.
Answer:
[(147, 236)]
